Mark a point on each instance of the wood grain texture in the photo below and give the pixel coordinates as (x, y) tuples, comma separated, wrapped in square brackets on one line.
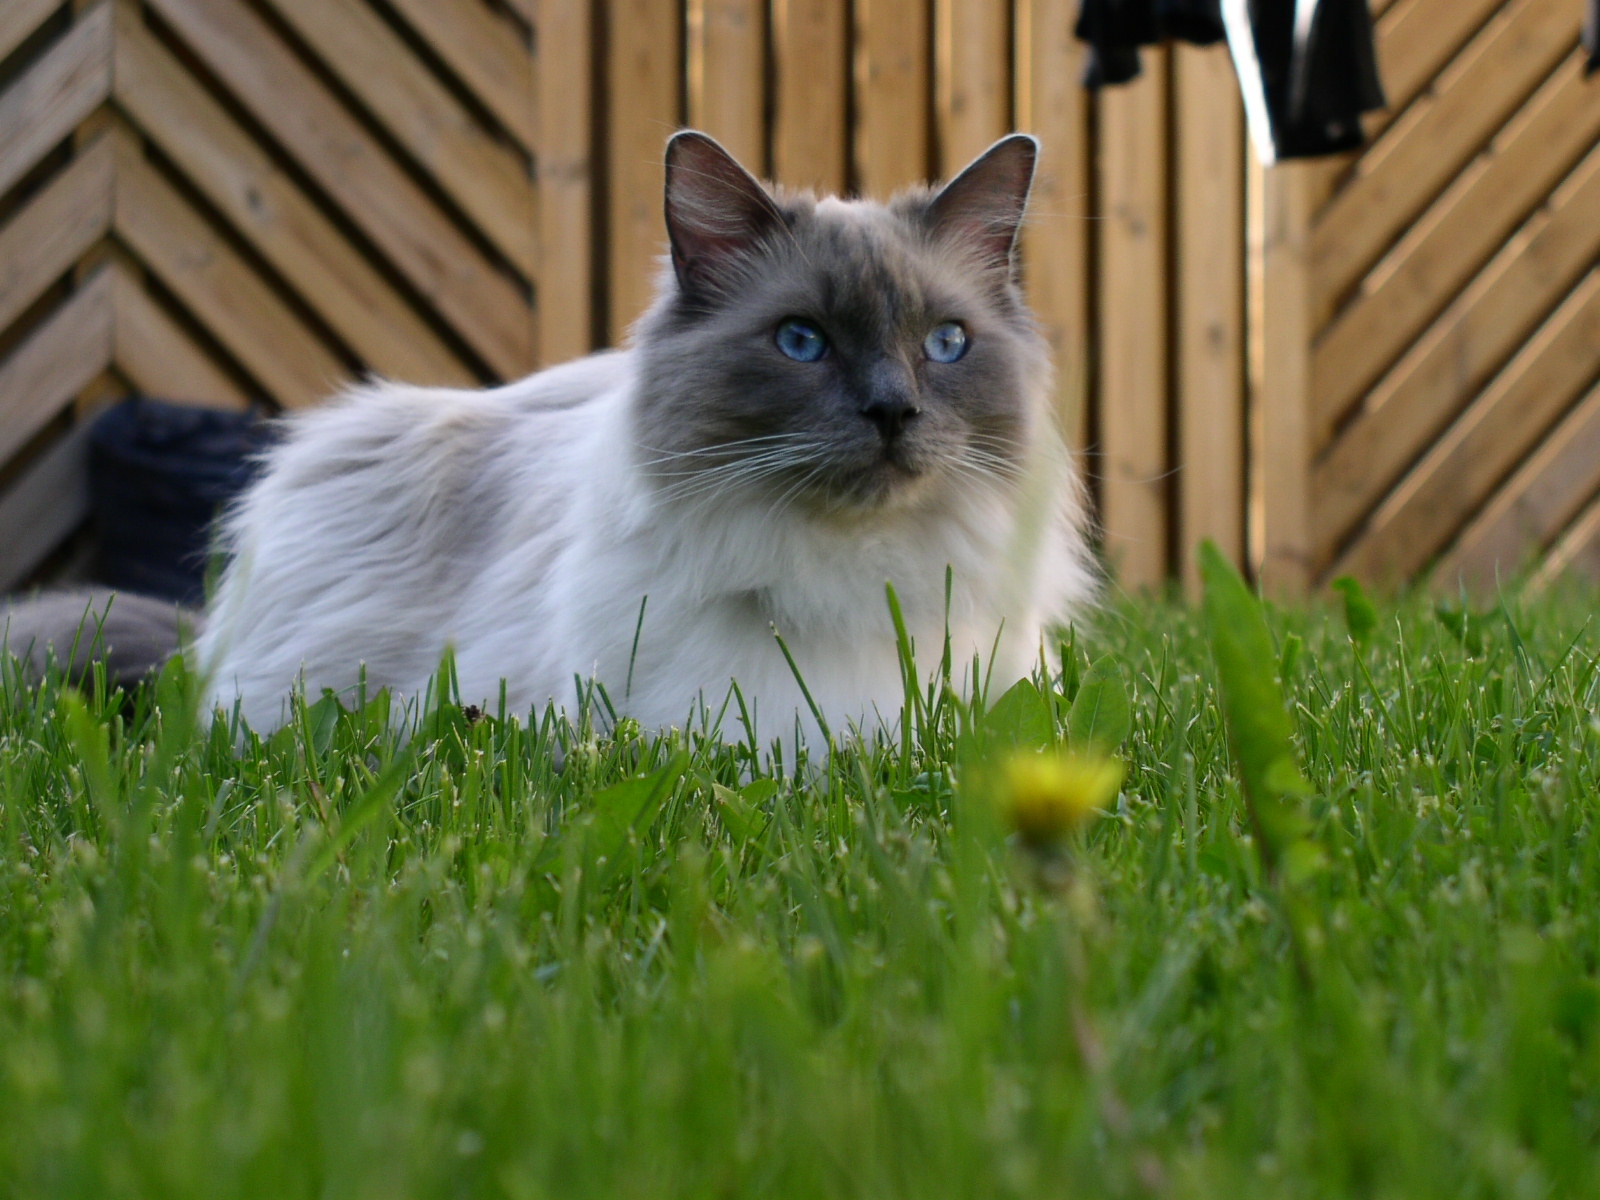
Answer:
[(1455, 358), (44, 506), (1441, 253), (1461, 470), (54, 94), (60, 358), (1429, 145), (489, 54), (566, 175), (1052, 105), (276, 217), (1530, 511), (893, 101), (1136, 482), (487, 309), (644, 105), (487, 178), (973, 79), (811, 91), (158, 357), (210, 278), (1280, 337), (727, 76), (1208, 274), (19, 20), (44, 240)]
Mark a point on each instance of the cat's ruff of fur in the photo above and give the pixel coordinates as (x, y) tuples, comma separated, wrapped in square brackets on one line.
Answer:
[(523, 527)]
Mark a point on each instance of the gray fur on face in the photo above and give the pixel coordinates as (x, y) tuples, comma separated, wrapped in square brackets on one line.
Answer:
[(721, 409)]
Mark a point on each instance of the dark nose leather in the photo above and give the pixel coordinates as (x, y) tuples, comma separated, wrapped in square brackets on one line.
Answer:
[(892, 400)]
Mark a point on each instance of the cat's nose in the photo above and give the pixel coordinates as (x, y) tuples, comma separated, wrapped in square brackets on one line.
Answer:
[(891, 399), (890, 413)]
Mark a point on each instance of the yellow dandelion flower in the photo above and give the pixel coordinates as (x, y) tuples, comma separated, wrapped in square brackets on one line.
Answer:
[(1044, 797)]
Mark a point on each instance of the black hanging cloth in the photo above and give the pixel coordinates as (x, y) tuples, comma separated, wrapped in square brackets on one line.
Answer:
[(1307, 69)]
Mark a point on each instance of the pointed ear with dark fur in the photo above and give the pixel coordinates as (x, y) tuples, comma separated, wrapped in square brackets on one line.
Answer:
[(717, 212), (983, 205)]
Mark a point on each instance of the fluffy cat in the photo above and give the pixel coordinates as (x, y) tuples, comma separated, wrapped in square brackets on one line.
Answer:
[(825, 395)]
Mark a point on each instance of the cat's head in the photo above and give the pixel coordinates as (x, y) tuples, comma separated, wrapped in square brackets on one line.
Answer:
[(839, 355)]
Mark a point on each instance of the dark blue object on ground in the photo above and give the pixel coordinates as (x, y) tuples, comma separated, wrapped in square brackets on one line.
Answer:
[(159, 474)]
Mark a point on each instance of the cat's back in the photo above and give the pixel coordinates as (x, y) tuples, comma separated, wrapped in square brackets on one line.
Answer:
[(374, 519)]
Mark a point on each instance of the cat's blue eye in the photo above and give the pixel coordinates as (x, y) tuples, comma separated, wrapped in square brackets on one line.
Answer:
[(945, 342), (801, 340)]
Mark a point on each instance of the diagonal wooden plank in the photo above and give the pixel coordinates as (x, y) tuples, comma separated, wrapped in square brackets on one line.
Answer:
[(1416, 39), (1576, 552), (1456, 356), (487, 310), (1397, 177), (1529, 512), (276, 217), (643, 99), (41, 508), (1463, 467), (55, 363), (972, 73), (152, 350), (727, 77), (216, 285), (1445, 250), (892, 138), (1056, 236), (488, 179), (19, 19), (810, 137), (487, 53), (565, 198), (56, 228), (42, 107)]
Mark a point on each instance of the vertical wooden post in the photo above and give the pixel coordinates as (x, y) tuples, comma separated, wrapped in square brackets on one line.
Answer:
[(1280, 375), (810, 130), (727, 76), (1052, 104), (972, 41), (565, 120), (892, 102), (643, 91), (1136, 490), (1208, 285)]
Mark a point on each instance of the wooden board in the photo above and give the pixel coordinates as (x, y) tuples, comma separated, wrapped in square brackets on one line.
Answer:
[(1052, 105), (973, 80), (43, 242), (566, 174), (1136, 480), (41, 377), (1209, 308), (811, 94), (727, 76), (56, 94), (644, 105), (892, 143)]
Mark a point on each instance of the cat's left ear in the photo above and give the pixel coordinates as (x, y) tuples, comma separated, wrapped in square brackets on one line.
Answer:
[(983, 205), (717, 212)]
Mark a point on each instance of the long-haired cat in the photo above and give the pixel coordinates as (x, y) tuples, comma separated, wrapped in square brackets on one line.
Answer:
[(826, 396)]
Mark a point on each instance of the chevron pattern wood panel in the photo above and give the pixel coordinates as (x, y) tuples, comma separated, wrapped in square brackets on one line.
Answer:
[(1454, 278), (1383, 364), (250, 203)]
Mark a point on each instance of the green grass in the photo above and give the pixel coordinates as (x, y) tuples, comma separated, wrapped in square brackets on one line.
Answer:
[(327, 966)]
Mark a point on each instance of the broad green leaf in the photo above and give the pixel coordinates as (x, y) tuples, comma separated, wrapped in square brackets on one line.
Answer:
[(1360, 617), (624, 812), (1021, 717), (1258, 722), (1100, 717)]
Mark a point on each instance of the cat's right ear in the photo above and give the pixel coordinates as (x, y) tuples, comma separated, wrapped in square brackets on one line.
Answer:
[(717, 212)]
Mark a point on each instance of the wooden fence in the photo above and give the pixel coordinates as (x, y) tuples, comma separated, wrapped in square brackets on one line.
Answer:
[(1370, 365)]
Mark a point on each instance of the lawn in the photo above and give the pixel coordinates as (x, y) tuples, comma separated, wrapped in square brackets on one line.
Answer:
[(331, 965)]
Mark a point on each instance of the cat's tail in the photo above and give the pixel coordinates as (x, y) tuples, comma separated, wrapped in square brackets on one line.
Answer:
[(132, 635)]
